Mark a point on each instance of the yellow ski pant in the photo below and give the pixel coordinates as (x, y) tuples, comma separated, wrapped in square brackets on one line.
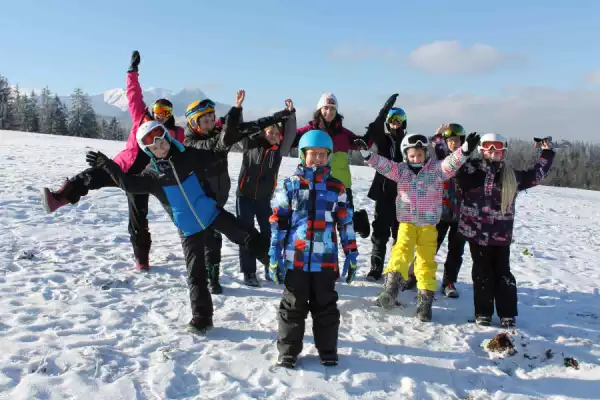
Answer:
[(424, 239)]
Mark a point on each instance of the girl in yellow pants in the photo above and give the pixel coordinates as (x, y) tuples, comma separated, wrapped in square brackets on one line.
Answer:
[(418, 209)]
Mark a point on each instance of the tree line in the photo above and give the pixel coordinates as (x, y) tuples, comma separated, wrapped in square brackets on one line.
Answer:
[(575, 166), (46, 113)]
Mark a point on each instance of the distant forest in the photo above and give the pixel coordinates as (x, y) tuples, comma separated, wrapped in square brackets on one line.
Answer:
[(577, 166)]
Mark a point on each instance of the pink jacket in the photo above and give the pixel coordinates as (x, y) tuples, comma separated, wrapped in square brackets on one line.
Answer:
[(139, 115), (419, 199)]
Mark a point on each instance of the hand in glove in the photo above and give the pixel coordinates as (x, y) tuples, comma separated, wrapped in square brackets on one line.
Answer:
[(276, 267), (96, 159), (363, 148), (350, 265), (388, 105), (470, 143), (135, 61)]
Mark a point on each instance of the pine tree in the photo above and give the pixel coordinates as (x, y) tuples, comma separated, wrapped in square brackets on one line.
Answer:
[(6, 104), (45, 111), (58, 116), (82, 118), (31, 110)]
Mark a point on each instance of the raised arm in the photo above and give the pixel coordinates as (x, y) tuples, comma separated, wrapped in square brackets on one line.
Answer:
[(135, 99), (534, 176)]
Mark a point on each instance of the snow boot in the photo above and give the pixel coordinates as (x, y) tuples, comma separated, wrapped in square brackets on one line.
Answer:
[(142, 256), (449, 290), (52, 201), (361, 223), (287, 361), (507, 322), (410, 283), (329, 360), (250, 279), (376, 269), (200, 325), (388, 298), (213, 271), (483, 320), (424, 304)]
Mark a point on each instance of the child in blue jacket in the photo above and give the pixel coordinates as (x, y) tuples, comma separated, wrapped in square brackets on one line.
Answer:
[(307, 209), (176, 176)]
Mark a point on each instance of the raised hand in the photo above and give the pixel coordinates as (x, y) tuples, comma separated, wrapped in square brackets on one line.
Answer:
[(96, 159), (239, 98), (135, 61), (471, 143)]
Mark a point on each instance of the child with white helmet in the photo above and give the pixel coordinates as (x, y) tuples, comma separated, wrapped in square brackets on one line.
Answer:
[(489, 189), (418, 208), (176, 176)]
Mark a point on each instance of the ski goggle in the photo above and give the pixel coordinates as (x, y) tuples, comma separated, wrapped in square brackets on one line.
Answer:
[(157, 133), (418, 141), (396, 116), (495, 145), (162, 110), (203, 107), (453, 131)]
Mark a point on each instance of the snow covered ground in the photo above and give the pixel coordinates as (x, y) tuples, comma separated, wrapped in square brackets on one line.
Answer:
[(76, 322)]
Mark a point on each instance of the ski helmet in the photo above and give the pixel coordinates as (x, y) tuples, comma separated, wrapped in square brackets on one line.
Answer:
[(414, 141), (315, 138), (148, 132), (493, 141), (396, 114), (454, 130), (197, 109)]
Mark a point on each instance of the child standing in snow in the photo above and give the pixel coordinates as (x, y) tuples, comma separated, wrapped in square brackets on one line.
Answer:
[(307, 208), (263, 152), (131, 160), (176, 177), (489, 188), (448, 139), (418, 208)]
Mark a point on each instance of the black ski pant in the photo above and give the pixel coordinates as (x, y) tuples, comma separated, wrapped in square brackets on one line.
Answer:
[(493, 283), (456, 249), (246, 210), (304, 292), (200, 299), (385, 225), (246, 236), (139, 234)]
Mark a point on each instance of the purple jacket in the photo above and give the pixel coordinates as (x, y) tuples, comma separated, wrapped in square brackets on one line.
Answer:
[(481, 219)]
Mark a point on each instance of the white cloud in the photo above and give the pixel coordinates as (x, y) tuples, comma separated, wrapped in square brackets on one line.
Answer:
[(593, 77), (449, 57), (520, 112), (356, 52)]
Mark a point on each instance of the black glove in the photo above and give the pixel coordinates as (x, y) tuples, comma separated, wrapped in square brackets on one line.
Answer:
[(471, 143), (388, 104), (135, 61), (363, 148), (96, 159)]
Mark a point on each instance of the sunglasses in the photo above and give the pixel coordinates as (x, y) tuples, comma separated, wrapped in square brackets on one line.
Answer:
[(157, 133), (493, 146), (162, 110)]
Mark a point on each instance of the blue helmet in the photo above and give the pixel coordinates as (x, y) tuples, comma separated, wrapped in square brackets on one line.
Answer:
[(396, 113), (314, 138)]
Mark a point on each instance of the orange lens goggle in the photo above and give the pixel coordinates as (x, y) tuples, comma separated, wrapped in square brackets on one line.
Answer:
[(156, 133), (495, 145), (162, 110)]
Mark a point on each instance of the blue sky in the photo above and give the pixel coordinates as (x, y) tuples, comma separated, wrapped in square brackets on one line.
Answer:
[(276, 49)]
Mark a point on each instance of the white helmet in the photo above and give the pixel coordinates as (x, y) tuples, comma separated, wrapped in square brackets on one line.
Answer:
[(148, 127), (492, 140), (414, 140)]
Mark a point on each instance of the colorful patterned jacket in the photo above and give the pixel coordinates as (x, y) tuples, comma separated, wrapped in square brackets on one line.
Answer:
[(419, 199), (307, 209), (451, 195), (481, 218)]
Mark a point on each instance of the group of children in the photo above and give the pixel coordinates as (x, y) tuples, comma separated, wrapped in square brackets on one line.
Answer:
[(467, 189)]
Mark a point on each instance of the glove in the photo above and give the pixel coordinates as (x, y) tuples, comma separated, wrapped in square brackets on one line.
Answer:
[(350, 265), (135, 61), (363, 148), (96, 159), (388, 104), (470, 143), (276, 268)]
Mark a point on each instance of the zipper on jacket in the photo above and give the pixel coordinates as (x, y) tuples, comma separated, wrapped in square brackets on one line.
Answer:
[(185, 195), (262, 163), (313, 203)]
